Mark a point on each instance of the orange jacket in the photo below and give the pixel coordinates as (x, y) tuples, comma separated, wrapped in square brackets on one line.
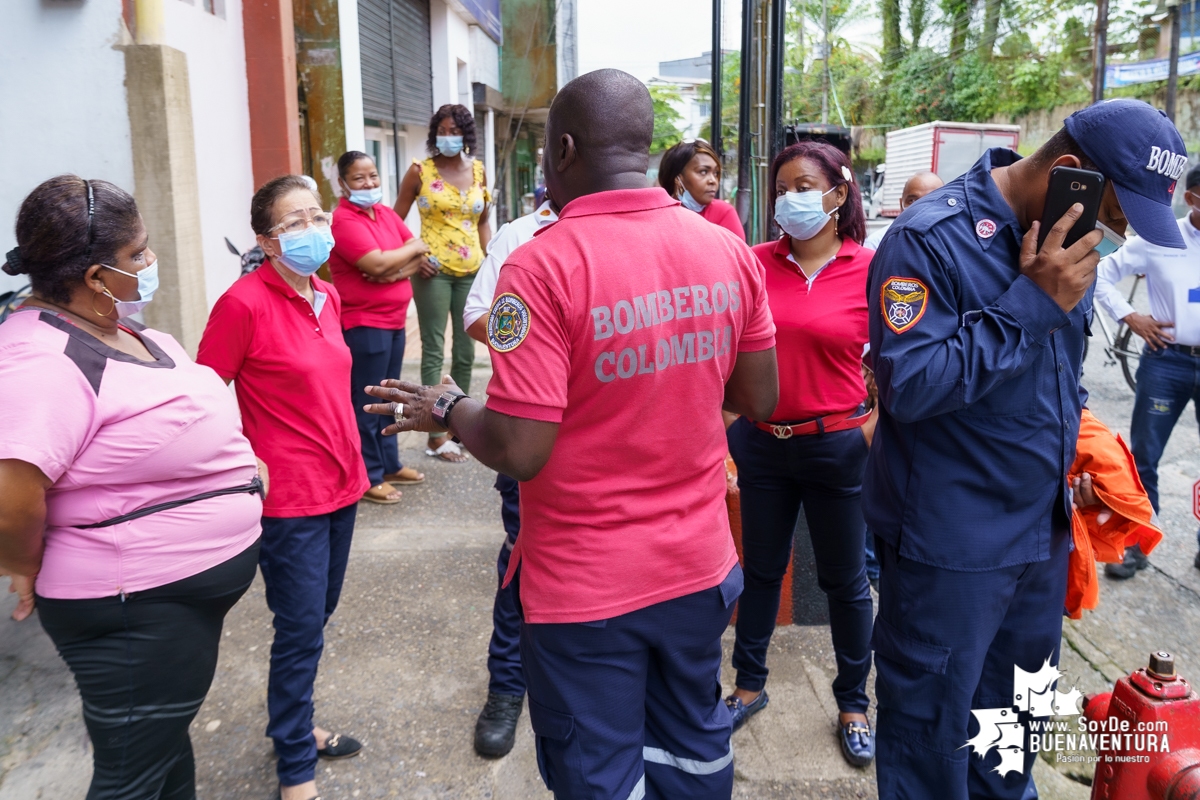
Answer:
[(1116, 482)]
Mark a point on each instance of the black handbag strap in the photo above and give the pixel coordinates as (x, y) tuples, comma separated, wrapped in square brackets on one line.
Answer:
[(254, 487)]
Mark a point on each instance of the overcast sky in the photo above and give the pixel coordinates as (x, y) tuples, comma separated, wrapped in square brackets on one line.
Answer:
[(634, 35)]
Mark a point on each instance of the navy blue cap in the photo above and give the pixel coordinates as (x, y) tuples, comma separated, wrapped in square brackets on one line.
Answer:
[(1136, 147)]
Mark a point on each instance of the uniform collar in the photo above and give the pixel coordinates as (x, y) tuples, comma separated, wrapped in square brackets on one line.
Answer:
[(618, 201), (545, 214), (988, 209), (344, 202), (271, 277), (849, 248)]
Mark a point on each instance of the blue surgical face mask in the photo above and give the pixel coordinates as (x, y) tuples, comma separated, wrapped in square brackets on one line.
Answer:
[(303, 252), (450, 145), (801, 215), (689, 202), (1111, 242), (147, 285), (365, 198)]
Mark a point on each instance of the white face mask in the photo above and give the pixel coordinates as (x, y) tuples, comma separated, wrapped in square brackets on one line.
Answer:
[(802, 215), (366, 198), (147, 285)]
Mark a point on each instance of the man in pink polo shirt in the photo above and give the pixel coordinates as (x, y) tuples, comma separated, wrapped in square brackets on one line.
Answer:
[(617, 335)]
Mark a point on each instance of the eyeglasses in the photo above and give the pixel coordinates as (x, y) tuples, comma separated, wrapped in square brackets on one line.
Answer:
[(297, 224)]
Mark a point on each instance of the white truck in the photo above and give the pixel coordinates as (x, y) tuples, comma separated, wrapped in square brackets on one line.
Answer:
[(948, 149)]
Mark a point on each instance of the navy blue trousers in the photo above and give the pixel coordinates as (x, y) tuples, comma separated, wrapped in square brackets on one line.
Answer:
[(1166, 380), (377, 353), (946, 642), (303, 562), (823, 474), (630, 707), (504, 650)]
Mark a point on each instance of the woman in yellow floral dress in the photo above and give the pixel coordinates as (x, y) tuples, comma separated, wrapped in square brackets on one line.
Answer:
[(450, 190)]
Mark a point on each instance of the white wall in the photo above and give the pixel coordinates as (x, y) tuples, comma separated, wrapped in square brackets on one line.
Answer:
[(221, 120), (351, 73), (485, 58), (449, 43), (62, 101)]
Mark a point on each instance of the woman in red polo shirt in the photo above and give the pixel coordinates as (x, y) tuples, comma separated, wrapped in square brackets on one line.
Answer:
[(374, 254), (812, 451), (691, 173), (279, 328)]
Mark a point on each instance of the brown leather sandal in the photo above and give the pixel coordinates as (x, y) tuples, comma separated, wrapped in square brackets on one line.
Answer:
[(405, 477), (384, 494)]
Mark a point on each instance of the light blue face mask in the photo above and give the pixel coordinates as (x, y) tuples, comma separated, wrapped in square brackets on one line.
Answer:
[(801, 215), (147, 285), (1111, 242), (303, 252), (689, 202), (450, 145), (365, 198)]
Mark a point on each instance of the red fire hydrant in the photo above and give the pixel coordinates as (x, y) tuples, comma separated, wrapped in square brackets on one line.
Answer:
[(1147, 736)]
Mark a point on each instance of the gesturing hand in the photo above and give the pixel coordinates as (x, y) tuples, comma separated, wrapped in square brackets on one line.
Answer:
[(1153, 332), (413, 402), (1064, 274)]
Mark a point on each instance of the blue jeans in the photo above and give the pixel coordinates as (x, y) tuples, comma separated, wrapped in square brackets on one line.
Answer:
[(777, 477), (630, 707), (504, 650), (377, 353), (303, 562), (1166, 380)]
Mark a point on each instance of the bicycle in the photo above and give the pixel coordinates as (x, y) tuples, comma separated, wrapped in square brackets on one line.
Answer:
[(1125, 347)]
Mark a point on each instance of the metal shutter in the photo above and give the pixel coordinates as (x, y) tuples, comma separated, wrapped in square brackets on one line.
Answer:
[(397, 79)]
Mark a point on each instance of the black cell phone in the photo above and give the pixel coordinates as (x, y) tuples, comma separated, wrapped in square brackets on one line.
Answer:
[(1069, 186)]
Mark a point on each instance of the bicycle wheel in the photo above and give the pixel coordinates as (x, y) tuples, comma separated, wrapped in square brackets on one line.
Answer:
[(1127, 350)]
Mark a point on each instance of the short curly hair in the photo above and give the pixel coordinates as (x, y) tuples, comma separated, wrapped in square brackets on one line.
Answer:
[(463, 118), (56, 240)]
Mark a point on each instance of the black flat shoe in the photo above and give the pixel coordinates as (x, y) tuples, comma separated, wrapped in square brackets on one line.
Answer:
[(338, 746), (1132, 563), (742, 712), (858, 743), (496, 728)]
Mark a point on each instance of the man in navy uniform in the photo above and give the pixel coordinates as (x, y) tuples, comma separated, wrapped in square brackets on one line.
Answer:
[(977, 337)]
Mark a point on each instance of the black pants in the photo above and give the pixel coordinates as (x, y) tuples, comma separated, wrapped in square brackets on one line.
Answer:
[(143, 664), (820, 474)]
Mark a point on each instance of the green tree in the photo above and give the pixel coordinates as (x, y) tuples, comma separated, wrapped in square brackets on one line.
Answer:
[(666, 117)]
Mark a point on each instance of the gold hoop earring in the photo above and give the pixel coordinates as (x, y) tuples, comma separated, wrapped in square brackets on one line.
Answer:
[(101, 294)]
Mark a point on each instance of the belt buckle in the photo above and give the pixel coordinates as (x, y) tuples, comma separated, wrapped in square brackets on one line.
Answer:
[(782, 431)]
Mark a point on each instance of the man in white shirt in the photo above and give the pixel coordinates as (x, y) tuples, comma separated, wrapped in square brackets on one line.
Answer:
[(915, 188), (496, 728), (1169, 370)]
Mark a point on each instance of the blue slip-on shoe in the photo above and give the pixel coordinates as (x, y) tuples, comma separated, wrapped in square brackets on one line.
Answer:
[(742, 712), (858, 743)]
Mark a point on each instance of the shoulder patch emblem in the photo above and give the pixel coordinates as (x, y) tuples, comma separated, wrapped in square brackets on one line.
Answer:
[(985, 229), (508, 323), (903, 302)]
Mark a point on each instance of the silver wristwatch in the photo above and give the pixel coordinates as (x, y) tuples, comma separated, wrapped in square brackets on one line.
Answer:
[(444, 405)]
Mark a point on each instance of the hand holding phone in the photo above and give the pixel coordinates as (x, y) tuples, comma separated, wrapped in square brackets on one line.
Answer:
[(1064, 273)]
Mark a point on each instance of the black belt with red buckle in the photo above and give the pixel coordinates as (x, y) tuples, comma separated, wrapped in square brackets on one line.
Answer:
[(1186, 349), (826, 424)]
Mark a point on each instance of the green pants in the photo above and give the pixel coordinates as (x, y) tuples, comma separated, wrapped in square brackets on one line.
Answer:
[(435, 298)]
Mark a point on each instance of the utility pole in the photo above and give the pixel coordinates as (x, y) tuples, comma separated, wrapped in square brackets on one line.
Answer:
[(825, 60), (716, 83), (1173, 76), (1100, 52)]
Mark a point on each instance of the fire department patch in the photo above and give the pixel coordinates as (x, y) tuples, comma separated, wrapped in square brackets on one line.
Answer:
[(985, 229), (904, 301), (508, 323)]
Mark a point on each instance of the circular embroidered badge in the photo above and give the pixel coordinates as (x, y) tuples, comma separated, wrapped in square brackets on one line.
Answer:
[(985, 228), (508, 324)]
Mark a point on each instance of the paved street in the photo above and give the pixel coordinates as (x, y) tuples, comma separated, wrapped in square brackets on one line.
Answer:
[(404, 664)]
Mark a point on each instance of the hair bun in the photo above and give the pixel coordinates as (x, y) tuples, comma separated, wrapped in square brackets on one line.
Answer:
[(12, 264)]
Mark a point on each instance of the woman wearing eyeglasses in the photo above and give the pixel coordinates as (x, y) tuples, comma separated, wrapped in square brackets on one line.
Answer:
[(691, 173), (278, 327)]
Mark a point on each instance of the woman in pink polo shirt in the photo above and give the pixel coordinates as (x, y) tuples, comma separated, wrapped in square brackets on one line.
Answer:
[(129, 498), (276, 329), (374, 255), (691, 173), (812, 451)]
